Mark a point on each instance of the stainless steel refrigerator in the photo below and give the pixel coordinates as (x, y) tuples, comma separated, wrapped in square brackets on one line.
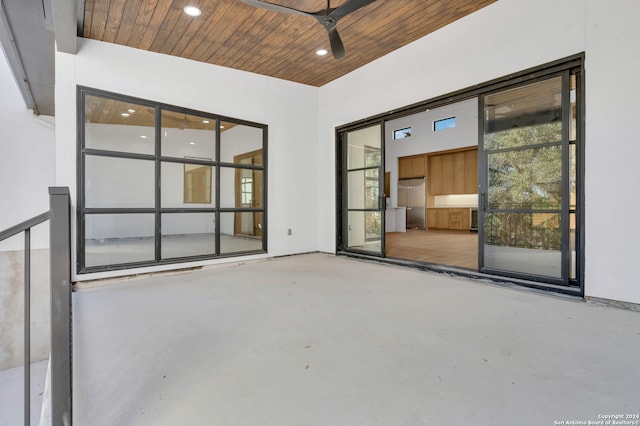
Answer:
[(411, 194)]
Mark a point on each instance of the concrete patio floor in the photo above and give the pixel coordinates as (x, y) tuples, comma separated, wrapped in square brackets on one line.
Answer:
[(12, 394), (322, 340)]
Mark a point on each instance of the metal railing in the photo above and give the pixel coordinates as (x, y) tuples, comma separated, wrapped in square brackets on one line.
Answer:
[(60, 253)]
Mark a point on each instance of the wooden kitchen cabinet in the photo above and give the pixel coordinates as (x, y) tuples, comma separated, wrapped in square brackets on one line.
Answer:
[(411, 167), (459, 172), (455, 219), (454, 172), (431, 218), (438, 218), (448, 218), (471, 172), (435, 174), (448, 171), (442, 218)]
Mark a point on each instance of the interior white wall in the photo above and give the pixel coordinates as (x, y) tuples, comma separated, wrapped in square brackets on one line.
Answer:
[(126, 183), (506, 37), (289, 109), (26, 168), (425, 140)]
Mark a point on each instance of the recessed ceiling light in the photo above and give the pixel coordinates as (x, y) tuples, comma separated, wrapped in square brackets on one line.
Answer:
[(206, 121), (192, 143), (131, 110), (321, 52), (143, 137), (222, 127), (125, 114), (192, 11)]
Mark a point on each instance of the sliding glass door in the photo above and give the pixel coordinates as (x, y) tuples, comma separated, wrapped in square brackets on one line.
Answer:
[(525, 181), (529, 127), (363, 186)]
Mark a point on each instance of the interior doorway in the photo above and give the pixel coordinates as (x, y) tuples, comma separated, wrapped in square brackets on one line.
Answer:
[(433, 182), (248, 194)]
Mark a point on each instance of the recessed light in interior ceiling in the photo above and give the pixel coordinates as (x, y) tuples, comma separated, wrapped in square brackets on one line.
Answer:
[(131, 111), (125, 114), (206, 121), (321, 52), (192, 11)]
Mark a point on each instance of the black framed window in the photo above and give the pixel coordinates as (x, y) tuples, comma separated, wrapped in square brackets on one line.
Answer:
[(402, 133), (163, 184), (445, 123)]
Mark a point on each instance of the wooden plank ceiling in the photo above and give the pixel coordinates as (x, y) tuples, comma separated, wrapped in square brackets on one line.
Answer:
[(233, 34)]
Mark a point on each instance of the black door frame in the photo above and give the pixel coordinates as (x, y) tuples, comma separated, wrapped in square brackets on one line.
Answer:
[(342, 221), (564, 210), (575, 64)]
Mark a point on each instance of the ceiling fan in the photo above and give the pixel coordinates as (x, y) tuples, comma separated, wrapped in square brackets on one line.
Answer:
[(328, 17)]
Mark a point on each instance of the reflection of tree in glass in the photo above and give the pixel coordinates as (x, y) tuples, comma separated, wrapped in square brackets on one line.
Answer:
[(525, 179), (373, 226), (372, 156), (526, 230), (371, 189), (373, 220), (534, 134)]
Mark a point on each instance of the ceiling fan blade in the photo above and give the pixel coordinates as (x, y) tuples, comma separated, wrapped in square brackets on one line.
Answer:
[(276, 7), (348, 7), (337, 48)]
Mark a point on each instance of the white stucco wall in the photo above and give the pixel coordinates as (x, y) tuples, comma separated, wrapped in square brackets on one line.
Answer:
[(506, 37), (612, 149), (26, 165), (27, 169), (289, 109)]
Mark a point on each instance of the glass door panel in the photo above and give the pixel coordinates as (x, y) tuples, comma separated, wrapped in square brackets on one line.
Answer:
[(528, 243), (529, 179), (364, 200), (525, 200)]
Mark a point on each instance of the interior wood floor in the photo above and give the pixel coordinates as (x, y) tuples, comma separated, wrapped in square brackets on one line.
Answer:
[(452, 248)]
